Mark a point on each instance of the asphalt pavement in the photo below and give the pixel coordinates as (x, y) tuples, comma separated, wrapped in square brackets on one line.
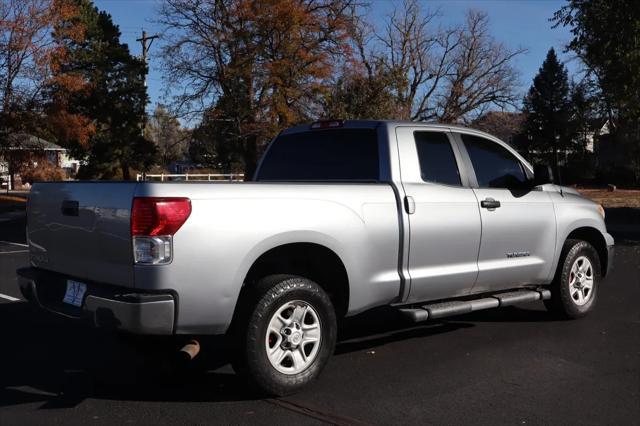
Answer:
[(511, 366)]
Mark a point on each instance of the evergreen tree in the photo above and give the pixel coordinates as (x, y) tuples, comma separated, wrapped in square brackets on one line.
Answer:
[(115, 97), (606, 38), (584, 113), (548, 111), (215, 143)]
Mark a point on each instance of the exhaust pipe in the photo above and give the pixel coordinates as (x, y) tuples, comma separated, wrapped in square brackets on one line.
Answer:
[(190, 350)]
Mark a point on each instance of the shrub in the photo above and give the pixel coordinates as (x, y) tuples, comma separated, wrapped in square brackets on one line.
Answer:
[(43, 172)]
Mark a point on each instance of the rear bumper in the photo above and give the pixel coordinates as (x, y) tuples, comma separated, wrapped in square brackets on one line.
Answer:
[(104, 306)]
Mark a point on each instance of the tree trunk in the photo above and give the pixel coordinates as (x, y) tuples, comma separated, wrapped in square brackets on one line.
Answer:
[(250, 157), (126, 173)]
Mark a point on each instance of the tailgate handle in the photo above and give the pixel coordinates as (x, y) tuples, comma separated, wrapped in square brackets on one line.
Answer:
[(70, 208)]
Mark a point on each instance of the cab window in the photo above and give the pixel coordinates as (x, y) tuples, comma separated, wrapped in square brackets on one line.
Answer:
[(437, 160), (495, 166)]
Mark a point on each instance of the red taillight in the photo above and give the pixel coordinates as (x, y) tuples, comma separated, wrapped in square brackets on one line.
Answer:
[(327, 124), (152, 216)]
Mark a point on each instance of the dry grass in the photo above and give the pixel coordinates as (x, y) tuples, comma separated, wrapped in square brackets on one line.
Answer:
[(618, 198)]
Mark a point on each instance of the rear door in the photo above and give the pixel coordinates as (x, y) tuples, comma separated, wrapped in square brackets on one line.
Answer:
[(82, 229), (518, 220), (444, 221)]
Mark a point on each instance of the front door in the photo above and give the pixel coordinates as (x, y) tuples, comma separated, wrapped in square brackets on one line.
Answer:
[(518, 220), (444, 220)]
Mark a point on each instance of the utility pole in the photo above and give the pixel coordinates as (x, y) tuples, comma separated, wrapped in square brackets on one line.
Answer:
[(145, 52), (145, 48)]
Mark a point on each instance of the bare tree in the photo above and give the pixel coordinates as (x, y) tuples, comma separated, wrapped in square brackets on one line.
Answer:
[(482, 74), (171, 140), (443, 74), (25, 49)]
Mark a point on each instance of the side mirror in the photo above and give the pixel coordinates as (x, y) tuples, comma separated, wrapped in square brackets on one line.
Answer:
[(542, 173)]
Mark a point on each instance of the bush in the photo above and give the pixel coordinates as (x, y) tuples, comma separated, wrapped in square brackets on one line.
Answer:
[(43, 172)]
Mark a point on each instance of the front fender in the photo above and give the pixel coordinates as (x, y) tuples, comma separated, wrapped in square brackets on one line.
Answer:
[(574, 212)]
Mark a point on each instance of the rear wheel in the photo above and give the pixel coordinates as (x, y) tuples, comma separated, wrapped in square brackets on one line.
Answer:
[(285, 334), (575, 288)]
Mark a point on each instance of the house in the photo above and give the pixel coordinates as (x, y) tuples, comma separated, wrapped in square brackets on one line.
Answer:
[(597, 128), (22, 148)]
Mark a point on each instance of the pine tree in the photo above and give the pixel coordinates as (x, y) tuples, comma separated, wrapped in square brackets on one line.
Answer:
[(548, 111), (115, 98)]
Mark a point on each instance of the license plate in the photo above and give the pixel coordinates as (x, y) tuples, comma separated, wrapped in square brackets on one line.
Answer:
[(75, 293)]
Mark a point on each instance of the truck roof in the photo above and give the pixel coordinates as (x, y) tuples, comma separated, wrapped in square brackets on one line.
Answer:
[(372, 124), (391, 123)]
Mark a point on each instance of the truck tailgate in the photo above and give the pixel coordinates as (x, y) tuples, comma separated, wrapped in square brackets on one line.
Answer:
[(82, 229)]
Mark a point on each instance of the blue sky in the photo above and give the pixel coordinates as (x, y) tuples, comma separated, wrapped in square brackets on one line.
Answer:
[(516, 23)]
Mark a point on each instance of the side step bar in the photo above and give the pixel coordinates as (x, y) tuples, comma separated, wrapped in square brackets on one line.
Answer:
[(459, 307)]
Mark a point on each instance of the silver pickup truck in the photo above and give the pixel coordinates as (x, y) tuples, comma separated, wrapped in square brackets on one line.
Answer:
[(341, 217)]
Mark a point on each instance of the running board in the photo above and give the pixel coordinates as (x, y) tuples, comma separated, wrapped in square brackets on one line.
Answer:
[(459, 307)]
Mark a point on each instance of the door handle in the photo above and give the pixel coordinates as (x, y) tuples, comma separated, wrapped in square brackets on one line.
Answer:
[(409, 205), (490, 204)]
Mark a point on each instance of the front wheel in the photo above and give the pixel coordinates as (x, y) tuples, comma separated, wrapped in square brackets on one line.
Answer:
[(287, 334), (575, 288)]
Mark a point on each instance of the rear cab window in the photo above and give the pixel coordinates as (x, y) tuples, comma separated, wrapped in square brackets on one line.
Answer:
[(437, 160), (323, 155)]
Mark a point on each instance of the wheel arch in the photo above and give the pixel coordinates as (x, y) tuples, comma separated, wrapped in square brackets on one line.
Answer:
[(311, 260), (594, 237)]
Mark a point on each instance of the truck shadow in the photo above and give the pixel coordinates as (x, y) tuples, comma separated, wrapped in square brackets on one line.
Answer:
[(58, 363)]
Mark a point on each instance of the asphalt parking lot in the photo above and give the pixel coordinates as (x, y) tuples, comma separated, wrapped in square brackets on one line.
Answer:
[(510, 366)]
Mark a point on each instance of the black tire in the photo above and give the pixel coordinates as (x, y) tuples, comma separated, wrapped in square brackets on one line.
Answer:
[(563, 303), (249, 333)]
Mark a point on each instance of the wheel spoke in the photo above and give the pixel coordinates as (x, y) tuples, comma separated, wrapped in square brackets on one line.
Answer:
[(298, 361), (581, 265), (580, 297), (312, 335), (308, 327), (299, 313), (588, 282), (302, 354), (283, 321), (274, 328), (278, 354)]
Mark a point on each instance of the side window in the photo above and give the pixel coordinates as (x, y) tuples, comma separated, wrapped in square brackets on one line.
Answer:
[(437, 161), (495, 166)]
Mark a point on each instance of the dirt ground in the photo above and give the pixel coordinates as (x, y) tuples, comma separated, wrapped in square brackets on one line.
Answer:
[(617, 198)]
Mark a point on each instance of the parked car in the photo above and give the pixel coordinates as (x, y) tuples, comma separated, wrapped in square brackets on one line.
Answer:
[(341, 217)]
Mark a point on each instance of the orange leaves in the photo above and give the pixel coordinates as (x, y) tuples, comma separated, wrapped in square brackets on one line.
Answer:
[(71, 128), (70, 82)]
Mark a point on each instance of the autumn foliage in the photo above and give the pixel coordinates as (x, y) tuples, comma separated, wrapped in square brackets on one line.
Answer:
[(253, 67), (30, 66)]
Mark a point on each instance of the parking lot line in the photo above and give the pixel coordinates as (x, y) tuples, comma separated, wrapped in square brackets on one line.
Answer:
[(9, 298)]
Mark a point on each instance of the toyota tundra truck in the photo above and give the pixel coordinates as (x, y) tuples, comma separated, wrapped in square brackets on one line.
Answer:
[(340, 217)]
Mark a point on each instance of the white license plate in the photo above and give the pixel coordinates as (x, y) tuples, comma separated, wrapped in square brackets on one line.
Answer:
[(75, 293)]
